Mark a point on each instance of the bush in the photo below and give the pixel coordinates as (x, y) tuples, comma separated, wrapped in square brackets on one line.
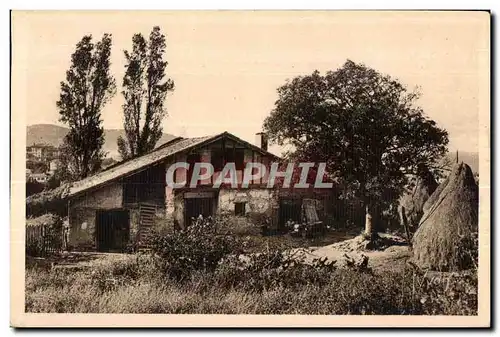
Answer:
[(237, 225), (468, 249), (53, 182), (49, 201), (196, 248), (198, 271), (111, 275), (34, 248), (134, 285), (270, 270), (33, 187)]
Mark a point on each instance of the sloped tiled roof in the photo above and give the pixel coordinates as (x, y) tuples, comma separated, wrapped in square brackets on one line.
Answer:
[(160, 153), (136, 164)]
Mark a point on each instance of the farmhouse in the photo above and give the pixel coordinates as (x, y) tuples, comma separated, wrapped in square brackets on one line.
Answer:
[(121, 204)]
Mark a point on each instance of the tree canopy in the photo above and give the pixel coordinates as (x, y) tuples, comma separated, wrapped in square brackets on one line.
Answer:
[(144, 90), (365, 125), (88, 88)]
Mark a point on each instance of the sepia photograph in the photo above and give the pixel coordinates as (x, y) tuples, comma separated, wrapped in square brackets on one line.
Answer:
[(250, 168)]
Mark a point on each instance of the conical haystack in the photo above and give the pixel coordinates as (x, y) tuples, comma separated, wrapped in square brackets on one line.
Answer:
[(412, 202), (443, 238), (435, 195)]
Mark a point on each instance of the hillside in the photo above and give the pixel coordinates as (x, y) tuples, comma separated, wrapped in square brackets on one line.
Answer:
[(53, 135)]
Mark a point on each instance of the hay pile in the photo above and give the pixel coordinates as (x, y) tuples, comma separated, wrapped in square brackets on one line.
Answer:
[(443, 239), (412, 201), (435, 195)]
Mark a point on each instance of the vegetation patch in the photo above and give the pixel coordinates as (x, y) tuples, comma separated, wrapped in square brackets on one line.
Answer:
[(189, 273)]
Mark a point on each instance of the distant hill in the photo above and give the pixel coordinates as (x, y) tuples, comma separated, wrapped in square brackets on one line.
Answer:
[(53, 135)]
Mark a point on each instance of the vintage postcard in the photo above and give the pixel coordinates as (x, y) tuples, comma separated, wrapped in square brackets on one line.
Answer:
[(250, 168)]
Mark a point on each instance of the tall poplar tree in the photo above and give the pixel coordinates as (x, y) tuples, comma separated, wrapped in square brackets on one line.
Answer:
[(88, 87), (145, 89)]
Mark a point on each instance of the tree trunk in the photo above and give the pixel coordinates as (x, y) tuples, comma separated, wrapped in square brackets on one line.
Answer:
[(368, 222), (404, 220)]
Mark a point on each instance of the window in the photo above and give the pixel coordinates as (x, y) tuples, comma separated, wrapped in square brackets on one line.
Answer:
[(239, 208)]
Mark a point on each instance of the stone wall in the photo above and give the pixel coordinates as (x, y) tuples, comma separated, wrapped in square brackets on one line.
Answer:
[(257, 200), (178, 214), (83, 209)]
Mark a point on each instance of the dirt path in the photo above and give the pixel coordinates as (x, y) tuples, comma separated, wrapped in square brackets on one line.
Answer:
[(77, 260), (394, 256)]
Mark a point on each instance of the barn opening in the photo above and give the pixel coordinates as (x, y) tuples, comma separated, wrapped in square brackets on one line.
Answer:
[(198, 203), (290, 209), (112, 230)]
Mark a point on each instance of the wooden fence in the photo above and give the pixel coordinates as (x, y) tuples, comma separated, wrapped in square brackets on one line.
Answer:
[(42, 240)]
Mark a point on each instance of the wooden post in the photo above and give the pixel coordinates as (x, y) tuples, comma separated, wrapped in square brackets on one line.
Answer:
[(405, 225), (253, 161), (368, 222)]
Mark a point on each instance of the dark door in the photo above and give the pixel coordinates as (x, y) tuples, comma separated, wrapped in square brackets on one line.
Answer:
[(194, 207), (290, 209), (112, 230)]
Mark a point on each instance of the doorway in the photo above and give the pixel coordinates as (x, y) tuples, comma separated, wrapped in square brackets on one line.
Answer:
[(196, 204), (112, 230), (290, 209)]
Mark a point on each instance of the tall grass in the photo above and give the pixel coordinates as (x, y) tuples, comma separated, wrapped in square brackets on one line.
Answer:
[(200, 271), (135, 285)]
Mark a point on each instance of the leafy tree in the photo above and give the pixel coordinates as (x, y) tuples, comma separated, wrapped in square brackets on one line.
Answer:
[(67, 170), (37, 166), (145, 91), (54, 181), (33, 187), (88, 87), (364, 125)]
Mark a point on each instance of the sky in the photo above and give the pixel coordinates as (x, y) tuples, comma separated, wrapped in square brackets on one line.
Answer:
[(227, 65)]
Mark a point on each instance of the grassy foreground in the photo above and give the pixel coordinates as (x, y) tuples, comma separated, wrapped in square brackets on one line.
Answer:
[(136, 284)]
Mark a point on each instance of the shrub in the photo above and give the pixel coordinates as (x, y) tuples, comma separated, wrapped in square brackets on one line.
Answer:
[(270, 270), (265, 284), (110, 275), (446, 293), (237, 225), (48, 201), (34, 248), (33, 187), (468, 248), (196, 248)]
